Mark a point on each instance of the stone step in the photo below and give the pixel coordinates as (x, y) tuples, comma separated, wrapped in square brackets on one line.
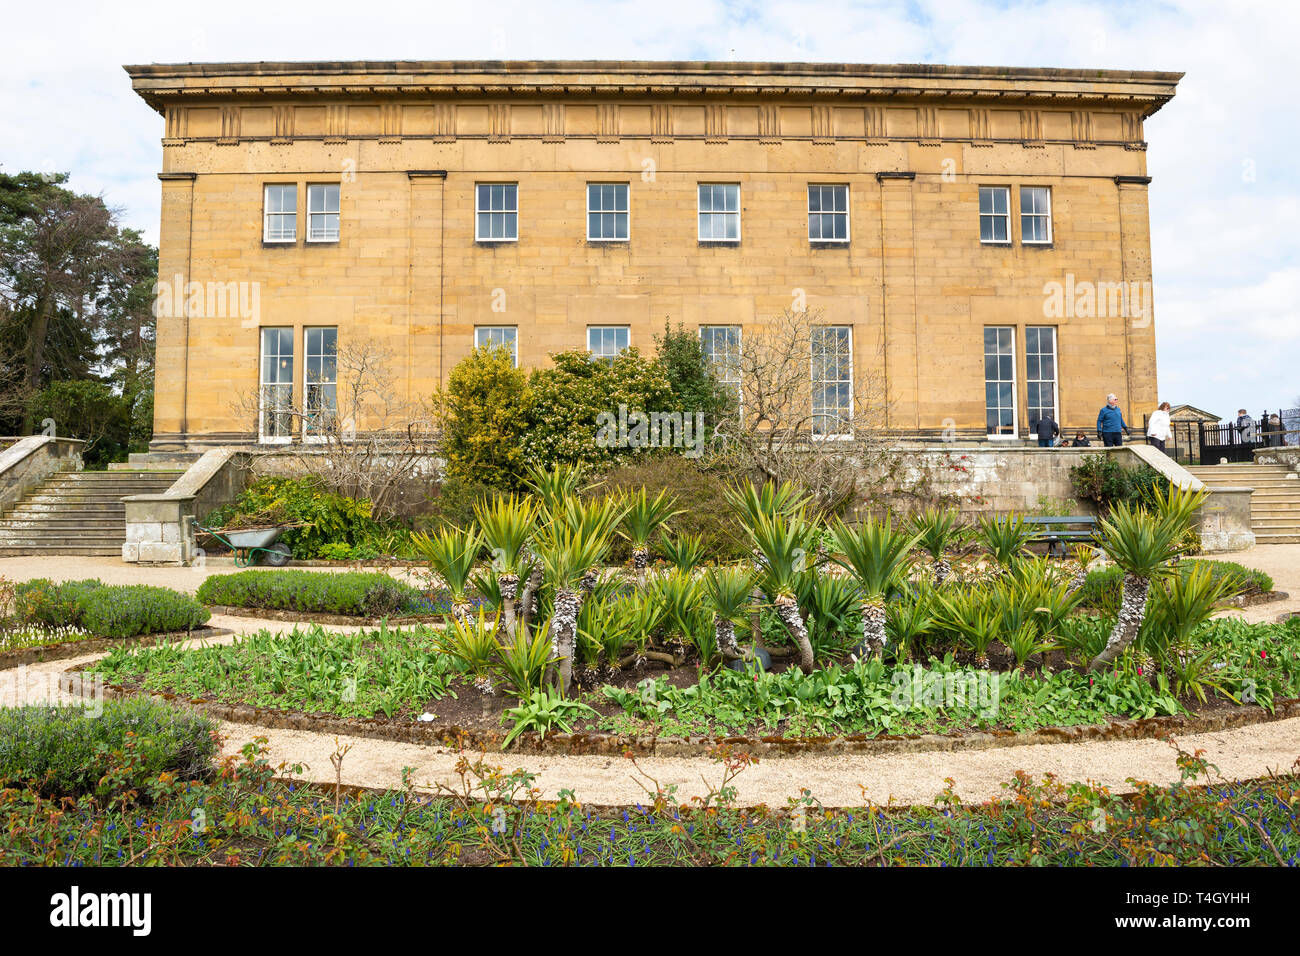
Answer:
[(87, 551), (54, 525), (1269, 538)]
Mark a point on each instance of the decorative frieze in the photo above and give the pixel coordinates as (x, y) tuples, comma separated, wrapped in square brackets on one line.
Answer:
[(715, 123), (336, 124), (661, 123), (553, 123), (927, 125), (499, 123), (769, 123), (607, 123), (282, 124)]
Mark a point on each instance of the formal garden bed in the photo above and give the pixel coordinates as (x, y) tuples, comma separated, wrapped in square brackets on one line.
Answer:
[(43, 620), (78, 790)]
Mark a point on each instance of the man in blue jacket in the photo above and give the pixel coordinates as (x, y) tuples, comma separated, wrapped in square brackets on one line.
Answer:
[(1110, 421)]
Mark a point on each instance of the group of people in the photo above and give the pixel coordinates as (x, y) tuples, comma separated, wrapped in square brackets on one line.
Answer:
[(1112, 429)]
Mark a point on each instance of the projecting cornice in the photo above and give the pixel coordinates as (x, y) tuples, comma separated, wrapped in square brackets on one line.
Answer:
[(1140, 92)]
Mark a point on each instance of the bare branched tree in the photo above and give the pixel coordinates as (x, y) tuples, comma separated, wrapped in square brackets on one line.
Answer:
[(808, 412), (350, 428)]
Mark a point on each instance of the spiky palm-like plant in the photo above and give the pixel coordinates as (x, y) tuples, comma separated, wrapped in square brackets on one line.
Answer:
[(936, 529), (910, 619), (1142, 545), (507, 523), (451, 553), (567, 556), (685, 552), (473, 644), (876, 554), (597, 520), (644, 517), (779, 540), (751, 501), (554, 486), (1084, 555), (1188, 599), (728, 593), (975, 616), (1006, 537)]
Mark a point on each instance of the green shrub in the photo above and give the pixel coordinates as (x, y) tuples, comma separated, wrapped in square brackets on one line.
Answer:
[(694, 384), (66, 751), (115, 611), (484, 414), (700, 494), (569, 397), (453, 505), (327, 518), (365, 594), (1101, 590)]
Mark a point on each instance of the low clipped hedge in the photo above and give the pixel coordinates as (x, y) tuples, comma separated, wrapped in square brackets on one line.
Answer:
[(105, 610), (1102, 588), (67, 751), (354, 592)]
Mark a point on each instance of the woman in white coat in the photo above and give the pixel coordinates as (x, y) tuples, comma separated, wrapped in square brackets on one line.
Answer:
[(1159, 429)]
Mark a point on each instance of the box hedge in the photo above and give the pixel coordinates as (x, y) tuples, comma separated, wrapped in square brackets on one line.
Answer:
[(354, 592), (103, 610)]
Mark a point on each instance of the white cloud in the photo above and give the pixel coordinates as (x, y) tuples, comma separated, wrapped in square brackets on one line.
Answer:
[(1222, 246)]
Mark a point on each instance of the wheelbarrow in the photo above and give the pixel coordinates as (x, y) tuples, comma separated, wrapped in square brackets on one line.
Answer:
[(247, 542)]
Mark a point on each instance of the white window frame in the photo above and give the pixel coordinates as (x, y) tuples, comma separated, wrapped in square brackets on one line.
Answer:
[(1056, 370), (313, 215), (1004, 216), (602, 328), (1015, 386), (625, 212), (482, 332), (731, 376), (268, 214), (504, 211), (848, 224), (307, 434), (701, 212), (1046, 216), (835, 436), (263, 385)]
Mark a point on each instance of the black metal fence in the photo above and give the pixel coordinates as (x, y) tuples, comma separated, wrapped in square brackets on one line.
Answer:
[(1209, 443)]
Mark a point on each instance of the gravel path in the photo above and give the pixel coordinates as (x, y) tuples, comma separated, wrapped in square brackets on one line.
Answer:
[(835, 780)]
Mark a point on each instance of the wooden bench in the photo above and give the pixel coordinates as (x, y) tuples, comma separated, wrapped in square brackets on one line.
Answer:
[(1058, 529)]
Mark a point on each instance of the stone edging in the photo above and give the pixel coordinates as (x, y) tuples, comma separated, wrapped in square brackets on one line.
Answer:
[(65, 649), (412, 732), (311, 617)]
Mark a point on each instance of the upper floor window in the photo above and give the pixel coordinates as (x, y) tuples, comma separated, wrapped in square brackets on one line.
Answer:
[(1035, 214), (828, 213), (496, 212), (498, 337), (280, 214), (606, 342), (607, 215), (719, 212), (995, 214), (832, 381), (323, 213)]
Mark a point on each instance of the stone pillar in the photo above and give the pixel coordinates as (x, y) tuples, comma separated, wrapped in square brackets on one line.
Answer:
[(1139, 330), (1225, 520), (159, 530), (170, 420)]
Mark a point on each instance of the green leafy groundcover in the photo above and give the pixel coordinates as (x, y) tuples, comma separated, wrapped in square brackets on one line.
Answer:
[(366, 594), (90, 608), (251, 819), (378, 672)]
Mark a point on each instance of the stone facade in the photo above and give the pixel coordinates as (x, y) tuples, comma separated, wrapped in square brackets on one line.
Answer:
[(407, 143)]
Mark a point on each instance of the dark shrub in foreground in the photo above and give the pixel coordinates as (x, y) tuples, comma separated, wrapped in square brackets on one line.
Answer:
[(66, 750), (353, 592)]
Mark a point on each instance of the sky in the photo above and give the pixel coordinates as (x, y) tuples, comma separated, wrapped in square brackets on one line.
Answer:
[(1224, 154)]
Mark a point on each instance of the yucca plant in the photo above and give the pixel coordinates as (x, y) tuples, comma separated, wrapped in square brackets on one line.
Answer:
[(685, 552), (830, 604), (910, 618), (1142, 545), (877, 555), (779, 540), (974, 617), (1006, 537), (1181, 604), (567, 557), (472, 644), (507, 523), (728, 594), (596, 520), (751, 501), (451, 553), (643, 518), (522, 662), (555, 485), (936, 530), (1084, 555), (1024, 641), (1179, 506)]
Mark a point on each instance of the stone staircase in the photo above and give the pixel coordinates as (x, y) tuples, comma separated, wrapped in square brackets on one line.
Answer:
[(1275, 505), (77, 512)]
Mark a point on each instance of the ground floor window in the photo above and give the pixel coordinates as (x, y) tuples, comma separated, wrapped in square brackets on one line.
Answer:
[(721, 347), (320, 379), (275, 416), (498, 337), (1040, 372), (606, 342), (832, 381), (1000, 379)]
